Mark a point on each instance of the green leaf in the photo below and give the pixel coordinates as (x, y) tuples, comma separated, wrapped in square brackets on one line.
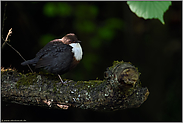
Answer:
[(149, 9)]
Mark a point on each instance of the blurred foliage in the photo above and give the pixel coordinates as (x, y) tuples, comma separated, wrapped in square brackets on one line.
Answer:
[(44, 39), (53, 9), (85, 11), (85, 26)]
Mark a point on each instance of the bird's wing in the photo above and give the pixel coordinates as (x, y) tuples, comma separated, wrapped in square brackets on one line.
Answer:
[(50, 46), (54, 55)]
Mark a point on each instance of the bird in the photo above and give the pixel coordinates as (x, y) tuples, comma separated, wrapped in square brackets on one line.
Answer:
[(58, 56)]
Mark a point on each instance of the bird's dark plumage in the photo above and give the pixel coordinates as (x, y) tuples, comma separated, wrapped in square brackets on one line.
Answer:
[(57, 56)]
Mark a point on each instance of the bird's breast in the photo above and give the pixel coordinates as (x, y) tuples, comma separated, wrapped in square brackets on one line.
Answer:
[(73, 63)]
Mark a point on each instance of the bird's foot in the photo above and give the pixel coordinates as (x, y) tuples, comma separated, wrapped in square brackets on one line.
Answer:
[(65, 82)]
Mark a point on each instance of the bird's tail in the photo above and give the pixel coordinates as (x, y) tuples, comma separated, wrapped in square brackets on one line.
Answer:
[(32, 61)]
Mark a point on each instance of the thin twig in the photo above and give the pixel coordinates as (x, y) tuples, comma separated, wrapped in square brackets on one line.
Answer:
[(9, 34), (4, 18)]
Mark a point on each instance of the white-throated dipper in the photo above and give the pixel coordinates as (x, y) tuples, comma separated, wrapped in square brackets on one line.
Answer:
[(58, 56)]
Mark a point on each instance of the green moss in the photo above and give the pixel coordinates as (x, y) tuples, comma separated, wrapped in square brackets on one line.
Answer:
[(88, 84), (27, 79), (115, 63), (6, 73), (32, 78), (54, 88)]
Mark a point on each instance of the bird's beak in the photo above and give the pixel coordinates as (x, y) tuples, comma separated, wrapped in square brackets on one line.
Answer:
[(78, 41)]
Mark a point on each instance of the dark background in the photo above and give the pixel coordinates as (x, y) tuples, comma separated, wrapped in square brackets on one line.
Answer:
[(109, 31)]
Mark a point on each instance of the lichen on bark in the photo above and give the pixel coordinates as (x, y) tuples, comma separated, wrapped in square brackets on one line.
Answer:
[(120, 89)]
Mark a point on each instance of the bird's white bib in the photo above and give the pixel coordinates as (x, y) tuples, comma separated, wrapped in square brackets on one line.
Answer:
[(77, 50)]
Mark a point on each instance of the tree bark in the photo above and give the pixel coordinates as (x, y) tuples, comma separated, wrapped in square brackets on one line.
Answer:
[(120, 89)]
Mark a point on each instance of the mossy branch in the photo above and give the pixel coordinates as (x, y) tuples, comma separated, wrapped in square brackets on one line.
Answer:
[(120, 89)]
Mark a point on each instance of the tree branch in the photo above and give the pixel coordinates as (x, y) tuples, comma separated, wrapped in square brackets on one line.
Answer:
[(120, 89)]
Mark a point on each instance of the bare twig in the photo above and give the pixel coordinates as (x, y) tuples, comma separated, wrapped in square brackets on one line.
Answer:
[(9, 34), (5, 41), (4, 18)]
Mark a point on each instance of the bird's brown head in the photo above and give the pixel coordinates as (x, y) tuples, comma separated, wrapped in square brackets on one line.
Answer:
[(70, 38)]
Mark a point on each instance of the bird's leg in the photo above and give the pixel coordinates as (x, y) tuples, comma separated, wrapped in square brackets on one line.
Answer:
[(64, 83), (60, 79)]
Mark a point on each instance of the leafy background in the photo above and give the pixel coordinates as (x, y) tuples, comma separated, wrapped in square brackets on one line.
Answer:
[(109, 31)]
